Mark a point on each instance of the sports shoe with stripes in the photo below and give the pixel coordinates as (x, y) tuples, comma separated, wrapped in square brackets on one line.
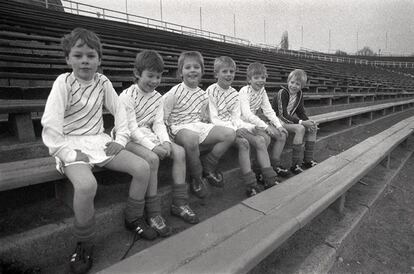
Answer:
[(141, 228), (185, 212), (158, 224), (81, 259)]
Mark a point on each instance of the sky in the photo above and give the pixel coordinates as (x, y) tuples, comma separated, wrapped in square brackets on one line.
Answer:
[(386, 26)]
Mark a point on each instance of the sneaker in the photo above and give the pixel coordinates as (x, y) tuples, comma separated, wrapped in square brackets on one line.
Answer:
[(309, 164), (185, 213), (199, 187), (81, 259), (159, 225), (141, 228), (215, 178), (259, 178), (252, 190), (296, 169), (281, 171)]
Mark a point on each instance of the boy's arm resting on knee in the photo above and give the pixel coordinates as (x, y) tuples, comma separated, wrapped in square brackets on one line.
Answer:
[(113, 104), (159, 126), (269, 112), (52, 122), (247, 113)]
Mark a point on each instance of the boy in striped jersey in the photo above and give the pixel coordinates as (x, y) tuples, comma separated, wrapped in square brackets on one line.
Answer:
[(224, 106), (185, 107), (74, 133), (253, 97), (150, 138), (289, 107)]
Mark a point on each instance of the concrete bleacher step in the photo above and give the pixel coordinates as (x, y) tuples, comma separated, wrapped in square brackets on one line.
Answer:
[(110, 221)]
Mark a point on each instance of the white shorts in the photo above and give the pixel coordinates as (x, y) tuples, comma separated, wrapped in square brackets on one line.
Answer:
[(92, 145), (203, 129), (150, 135)]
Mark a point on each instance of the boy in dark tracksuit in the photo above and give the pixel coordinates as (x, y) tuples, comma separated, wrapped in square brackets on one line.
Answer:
[(289, 107)]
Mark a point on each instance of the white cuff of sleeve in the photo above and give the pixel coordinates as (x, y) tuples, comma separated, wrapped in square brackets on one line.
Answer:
[(300, 122)]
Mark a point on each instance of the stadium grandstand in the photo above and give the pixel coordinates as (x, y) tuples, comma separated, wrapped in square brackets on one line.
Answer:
[(364, 106)]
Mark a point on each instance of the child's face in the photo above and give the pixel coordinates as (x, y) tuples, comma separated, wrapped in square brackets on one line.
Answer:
[(294, 85), (191, 72), (149, 80), (83, 60), (258, 81), (225, 76)]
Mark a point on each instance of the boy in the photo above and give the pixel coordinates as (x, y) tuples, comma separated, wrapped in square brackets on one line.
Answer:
[(74, 133), (288, 105), (150, 138), (185, 108), (254, 97)]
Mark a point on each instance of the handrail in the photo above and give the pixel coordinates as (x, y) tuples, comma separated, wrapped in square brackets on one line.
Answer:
[(104, 13)]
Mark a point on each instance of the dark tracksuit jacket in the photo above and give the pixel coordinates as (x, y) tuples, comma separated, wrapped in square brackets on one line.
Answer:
[(280, 103)]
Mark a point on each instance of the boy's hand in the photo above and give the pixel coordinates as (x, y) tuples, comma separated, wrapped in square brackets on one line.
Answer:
[(283, 130), (80, 156), (160, 151), (310, 125), (167, 147), (113, 148)]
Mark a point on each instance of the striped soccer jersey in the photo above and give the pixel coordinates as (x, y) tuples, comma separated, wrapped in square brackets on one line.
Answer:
[(184, 105), (226, 102)]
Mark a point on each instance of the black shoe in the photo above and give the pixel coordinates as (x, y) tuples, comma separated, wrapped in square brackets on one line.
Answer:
[(252, 190), (259, 178), (185, 212), (158, 224), (81, 259), (214, 178), (142, 229), (296, 169), (281, 171), (309, 164), (199, 187), (270, 184)]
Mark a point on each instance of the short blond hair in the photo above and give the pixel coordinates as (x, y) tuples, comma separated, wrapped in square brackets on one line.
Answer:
[(223, 61), (256, 68), (298, 74)]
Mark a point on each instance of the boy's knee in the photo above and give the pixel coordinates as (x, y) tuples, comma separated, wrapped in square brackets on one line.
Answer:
[(87, 187), (242, 144), (153, 161), (260, 142), (229, 135), (300, 130), (191, 145)]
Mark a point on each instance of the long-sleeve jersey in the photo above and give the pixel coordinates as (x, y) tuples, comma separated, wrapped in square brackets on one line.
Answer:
[(144, 110), (184, 105), (224, 107), (286, 106), (251, 101), (75, 108)]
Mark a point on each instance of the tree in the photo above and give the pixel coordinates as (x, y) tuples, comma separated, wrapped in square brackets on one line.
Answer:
[(284, 43), (365, 51)]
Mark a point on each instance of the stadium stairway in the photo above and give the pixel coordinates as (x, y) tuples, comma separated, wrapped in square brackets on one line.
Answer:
[(30, 59)]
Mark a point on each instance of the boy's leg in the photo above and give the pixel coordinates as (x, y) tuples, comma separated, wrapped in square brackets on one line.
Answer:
[(139, 169), (84, 185), (153, 161), (277, 149), (247, 175), (297, 146), (190, 141), (222, 138), (260, 143), (310, 139), (180, 206), (152, 201)]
